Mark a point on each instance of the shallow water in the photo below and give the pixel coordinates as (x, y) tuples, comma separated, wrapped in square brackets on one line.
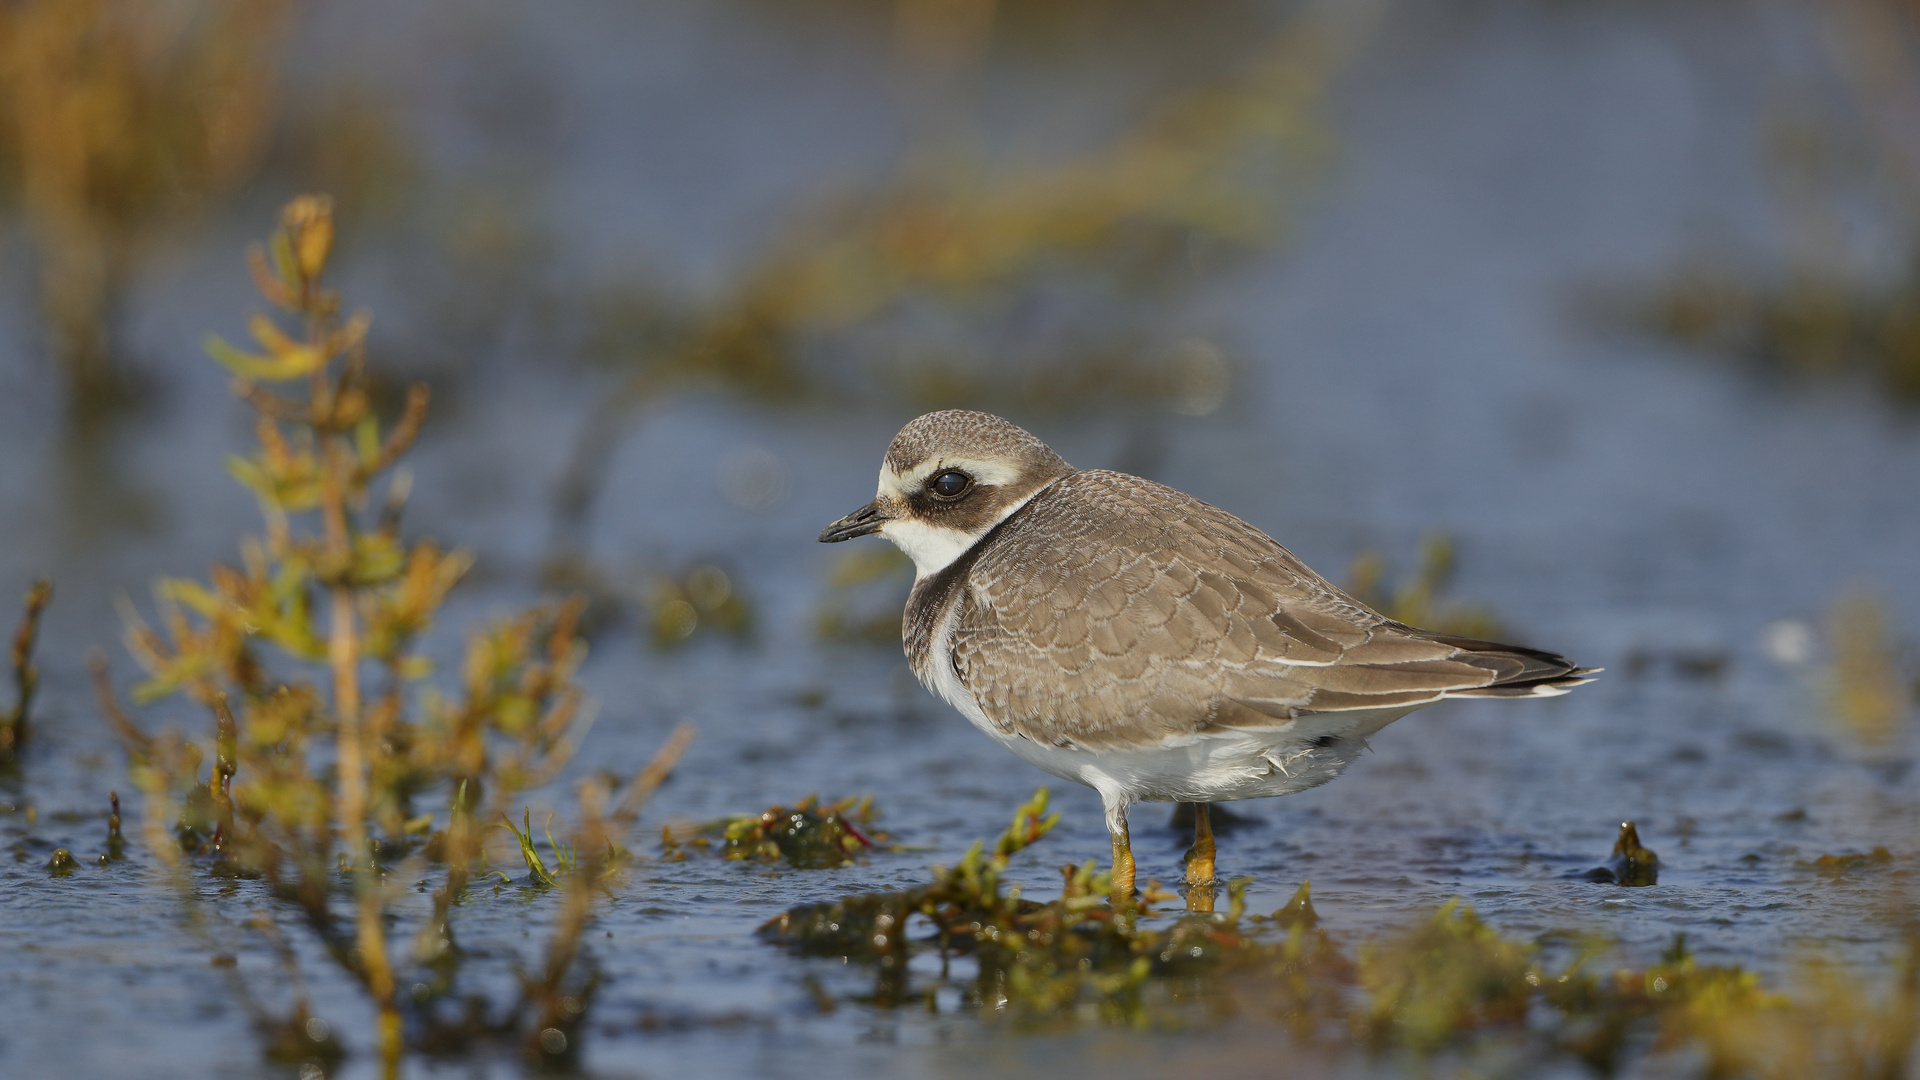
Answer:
[(1410, 365)]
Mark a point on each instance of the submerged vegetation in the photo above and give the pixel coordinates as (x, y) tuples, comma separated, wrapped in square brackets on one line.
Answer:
[(1450, 984), (965, 904), (808, 835), (337, 771)]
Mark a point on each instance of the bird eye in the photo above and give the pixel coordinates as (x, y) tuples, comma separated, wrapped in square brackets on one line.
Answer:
[(951, 485)]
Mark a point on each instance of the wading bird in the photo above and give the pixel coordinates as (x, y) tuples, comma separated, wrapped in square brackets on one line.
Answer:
[(1124, 635)]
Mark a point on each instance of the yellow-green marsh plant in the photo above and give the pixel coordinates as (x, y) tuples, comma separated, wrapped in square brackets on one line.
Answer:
[(334, 761), (26, 677)]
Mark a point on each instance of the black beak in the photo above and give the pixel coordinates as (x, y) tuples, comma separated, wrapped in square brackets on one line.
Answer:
[(867, 519)]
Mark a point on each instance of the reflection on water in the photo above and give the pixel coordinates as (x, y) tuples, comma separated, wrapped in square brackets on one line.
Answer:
[(617, 182)]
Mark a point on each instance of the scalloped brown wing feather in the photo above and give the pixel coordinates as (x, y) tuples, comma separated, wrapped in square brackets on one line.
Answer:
[(1114, 611)]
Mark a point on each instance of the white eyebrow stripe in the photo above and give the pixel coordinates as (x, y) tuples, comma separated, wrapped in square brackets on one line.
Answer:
[(990, 473)]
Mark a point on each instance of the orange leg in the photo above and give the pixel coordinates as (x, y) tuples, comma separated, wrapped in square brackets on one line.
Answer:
[(1200, 861), (1122, 864)]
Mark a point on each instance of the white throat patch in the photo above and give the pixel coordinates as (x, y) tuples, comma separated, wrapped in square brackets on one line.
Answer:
[(931, 547)]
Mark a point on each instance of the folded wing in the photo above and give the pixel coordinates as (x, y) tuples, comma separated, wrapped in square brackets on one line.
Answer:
[(1113, 610)]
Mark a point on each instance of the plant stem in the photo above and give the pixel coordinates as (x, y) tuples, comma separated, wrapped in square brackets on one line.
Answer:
[(26, 678), (343, 656)]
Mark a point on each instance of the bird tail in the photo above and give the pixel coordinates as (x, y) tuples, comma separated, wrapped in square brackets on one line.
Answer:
[(1521, 672)]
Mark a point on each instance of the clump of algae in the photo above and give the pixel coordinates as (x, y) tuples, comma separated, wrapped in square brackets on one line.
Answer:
[(335, 768), (871, 927), (809, 835), (1038, 959), (1450, 984), (806, 835)]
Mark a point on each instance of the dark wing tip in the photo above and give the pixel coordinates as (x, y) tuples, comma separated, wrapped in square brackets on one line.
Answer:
[(1520, 671)]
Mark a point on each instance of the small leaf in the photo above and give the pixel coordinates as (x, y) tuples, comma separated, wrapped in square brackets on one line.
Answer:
[(366, 440), (534, 866), (280, 249), (299, 363)]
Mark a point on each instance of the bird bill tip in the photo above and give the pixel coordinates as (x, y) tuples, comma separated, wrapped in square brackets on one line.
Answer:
[(862, 522)]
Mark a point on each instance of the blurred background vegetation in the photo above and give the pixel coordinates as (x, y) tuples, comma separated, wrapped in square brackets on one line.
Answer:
[(120, 124), (987, 250), (1840, 294), (982, 255)]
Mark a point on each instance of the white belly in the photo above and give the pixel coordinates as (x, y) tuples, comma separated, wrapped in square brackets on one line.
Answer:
[(1216, 766), (1212, 767)]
